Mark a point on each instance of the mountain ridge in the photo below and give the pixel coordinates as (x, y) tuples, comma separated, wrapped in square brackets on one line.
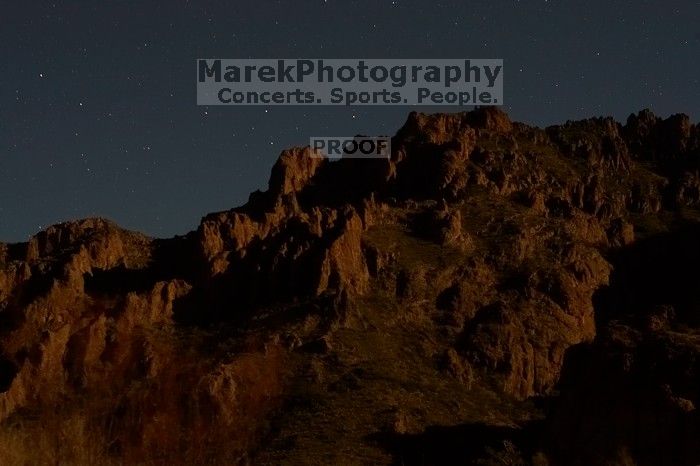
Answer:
[(480, 252)]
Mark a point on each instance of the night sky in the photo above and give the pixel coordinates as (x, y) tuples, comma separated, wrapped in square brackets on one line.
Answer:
[(97, 98)]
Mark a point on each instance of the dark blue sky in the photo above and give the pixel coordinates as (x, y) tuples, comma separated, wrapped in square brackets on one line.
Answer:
[(97, 99)]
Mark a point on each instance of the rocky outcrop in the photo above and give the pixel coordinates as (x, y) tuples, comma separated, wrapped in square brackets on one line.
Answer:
[(479, 247)]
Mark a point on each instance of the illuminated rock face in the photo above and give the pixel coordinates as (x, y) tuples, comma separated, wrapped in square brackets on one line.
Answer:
[(473, 259)]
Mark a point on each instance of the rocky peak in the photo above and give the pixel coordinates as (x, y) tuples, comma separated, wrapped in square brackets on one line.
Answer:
[(471, 259)]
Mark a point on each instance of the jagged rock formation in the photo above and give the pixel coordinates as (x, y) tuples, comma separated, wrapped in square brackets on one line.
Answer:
[(468, 267)]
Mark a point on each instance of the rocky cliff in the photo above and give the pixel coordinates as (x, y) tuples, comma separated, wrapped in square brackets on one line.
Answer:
[(494, 293)]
